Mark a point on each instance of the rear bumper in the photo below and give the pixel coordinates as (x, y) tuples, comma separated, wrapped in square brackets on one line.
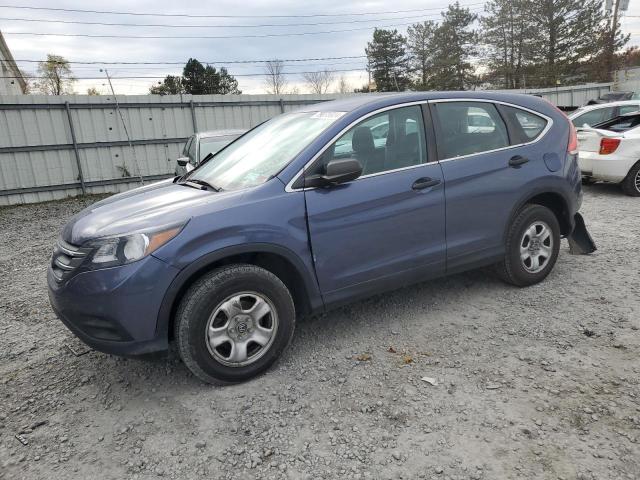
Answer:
[(610, 168), (115, 310)]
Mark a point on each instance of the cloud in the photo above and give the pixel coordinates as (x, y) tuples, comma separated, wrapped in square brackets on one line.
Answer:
[(174, 49)]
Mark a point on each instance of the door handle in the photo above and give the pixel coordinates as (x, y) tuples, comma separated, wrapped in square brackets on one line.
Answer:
[(425, 182), (517, 160)]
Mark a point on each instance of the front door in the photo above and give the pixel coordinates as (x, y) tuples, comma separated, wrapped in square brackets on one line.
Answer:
[(386, 228)]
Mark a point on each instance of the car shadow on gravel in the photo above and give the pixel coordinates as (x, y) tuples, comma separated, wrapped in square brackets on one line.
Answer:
[(385, 314), (607, 189)]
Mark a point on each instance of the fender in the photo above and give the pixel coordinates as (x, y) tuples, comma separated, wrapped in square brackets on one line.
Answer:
[(540, 190), (201, 264)]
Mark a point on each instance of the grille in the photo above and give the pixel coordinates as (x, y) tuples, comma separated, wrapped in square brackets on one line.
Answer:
[(66, 258)]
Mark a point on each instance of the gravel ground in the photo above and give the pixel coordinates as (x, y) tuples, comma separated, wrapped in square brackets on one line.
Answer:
[(542, 382)]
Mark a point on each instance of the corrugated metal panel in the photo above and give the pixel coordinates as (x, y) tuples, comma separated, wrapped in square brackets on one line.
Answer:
[(41, 121)]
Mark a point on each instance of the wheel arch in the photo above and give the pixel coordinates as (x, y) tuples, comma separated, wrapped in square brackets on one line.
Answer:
[(280, 261), (555, 202)]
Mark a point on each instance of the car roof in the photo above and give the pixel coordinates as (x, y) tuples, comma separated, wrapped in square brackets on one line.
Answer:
[(619, 103), (221, 133), (373, 101)]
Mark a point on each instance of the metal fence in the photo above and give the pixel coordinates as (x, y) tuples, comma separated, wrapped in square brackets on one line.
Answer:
[(54, 147)]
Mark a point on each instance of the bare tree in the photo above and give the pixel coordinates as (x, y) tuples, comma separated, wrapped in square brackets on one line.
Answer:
[(343, 85), (274, 77), (319, 82)]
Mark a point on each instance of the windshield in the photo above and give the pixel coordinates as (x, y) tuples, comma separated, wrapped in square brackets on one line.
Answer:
[(264, 151)]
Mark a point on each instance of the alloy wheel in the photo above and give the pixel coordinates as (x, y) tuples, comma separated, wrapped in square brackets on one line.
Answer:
[(241, 329), (536, 247)]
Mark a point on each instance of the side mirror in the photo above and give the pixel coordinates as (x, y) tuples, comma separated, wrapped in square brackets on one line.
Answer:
[(336, 172), (183, 161)]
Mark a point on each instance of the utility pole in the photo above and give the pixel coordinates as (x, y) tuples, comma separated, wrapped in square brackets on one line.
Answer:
[(124, 125), (615, 7)]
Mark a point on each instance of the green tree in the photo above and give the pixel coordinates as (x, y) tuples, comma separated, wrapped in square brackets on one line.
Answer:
[(172, 85), (507, 33), (55, 76), (198, 79), (569, 36), (193, 77), (455, 42), (420, 46), (219, 82), (388, 60)]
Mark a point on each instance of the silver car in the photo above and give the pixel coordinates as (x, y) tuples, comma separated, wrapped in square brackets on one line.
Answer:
[(199, 145)]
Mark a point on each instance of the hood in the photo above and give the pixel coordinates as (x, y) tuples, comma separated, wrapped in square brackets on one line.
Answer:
[(155, 205)]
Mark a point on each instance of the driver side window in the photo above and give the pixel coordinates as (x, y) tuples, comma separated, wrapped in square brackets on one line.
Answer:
[(387, 141)]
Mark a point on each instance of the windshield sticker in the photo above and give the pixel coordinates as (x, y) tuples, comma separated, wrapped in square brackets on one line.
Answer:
[(328, 115)]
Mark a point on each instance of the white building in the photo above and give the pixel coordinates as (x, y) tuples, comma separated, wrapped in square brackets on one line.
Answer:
[(11, 80)]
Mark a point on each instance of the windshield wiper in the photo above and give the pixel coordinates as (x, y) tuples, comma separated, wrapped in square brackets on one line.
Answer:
[(201, 183)]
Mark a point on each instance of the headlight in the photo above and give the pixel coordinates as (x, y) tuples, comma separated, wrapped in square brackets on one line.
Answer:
[(124, 249)]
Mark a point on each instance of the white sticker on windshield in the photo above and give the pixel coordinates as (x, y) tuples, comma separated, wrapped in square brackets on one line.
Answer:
[(328, 115)]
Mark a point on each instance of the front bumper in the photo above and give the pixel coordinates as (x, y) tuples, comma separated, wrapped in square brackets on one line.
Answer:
[(115, 310)]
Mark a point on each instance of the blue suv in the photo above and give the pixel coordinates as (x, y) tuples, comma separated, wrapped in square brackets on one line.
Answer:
[(314, 209)]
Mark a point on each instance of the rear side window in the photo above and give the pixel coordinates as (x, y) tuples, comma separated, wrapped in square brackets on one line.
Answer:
[(526, 126), (465, 128), (594, 116), (628, 109)]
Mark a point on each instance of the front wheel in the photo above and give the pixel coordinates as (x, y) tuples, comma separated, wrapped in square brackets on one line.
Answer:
[(631, 183), (234, 323), (532, 246)]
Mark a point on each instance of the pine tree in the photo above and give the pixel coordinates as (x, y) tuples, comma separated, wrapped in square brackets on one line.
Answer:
[(568, 36), (507, 34), (387, 58), (454, 44), (421, 48)]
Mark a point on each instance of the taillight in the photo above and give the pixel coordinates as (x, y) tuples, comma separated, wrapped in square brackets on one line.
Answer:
[(572, 148), (608, 145)]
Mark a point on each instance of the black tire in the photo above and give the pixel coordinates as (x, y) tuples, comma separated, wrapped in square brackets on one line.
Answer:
[(512, 269), (631, 183), (210, 292), (588, 181)]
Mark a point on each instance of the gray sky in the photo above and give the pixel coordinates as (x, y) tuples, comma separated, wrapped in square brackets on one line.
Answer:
[(337, 44)]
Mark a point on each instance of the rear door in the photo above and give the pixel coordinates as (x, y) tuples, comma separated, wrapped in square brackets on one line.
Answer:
[(484, 175), (385, 228)]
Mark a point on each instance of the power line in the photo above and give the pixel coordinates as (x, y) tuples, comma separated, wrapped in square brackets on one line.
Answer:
[(185, 15), (97, 62), (168, 25), (201, 37), (163, 76)]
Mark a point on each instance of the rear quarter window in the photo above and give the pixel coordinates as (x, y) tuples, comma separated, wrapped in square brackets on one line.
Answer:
[(526, 126)]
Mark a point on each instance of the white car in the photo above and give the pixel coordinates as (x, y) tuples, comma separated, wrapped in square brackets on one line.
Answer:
[(610, 151), (601, 112)]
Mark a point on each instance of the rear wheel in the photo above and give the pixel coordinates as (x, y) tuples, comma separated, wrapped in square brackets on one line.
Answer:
[(234, 323), (532, 246), (631, 183)]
